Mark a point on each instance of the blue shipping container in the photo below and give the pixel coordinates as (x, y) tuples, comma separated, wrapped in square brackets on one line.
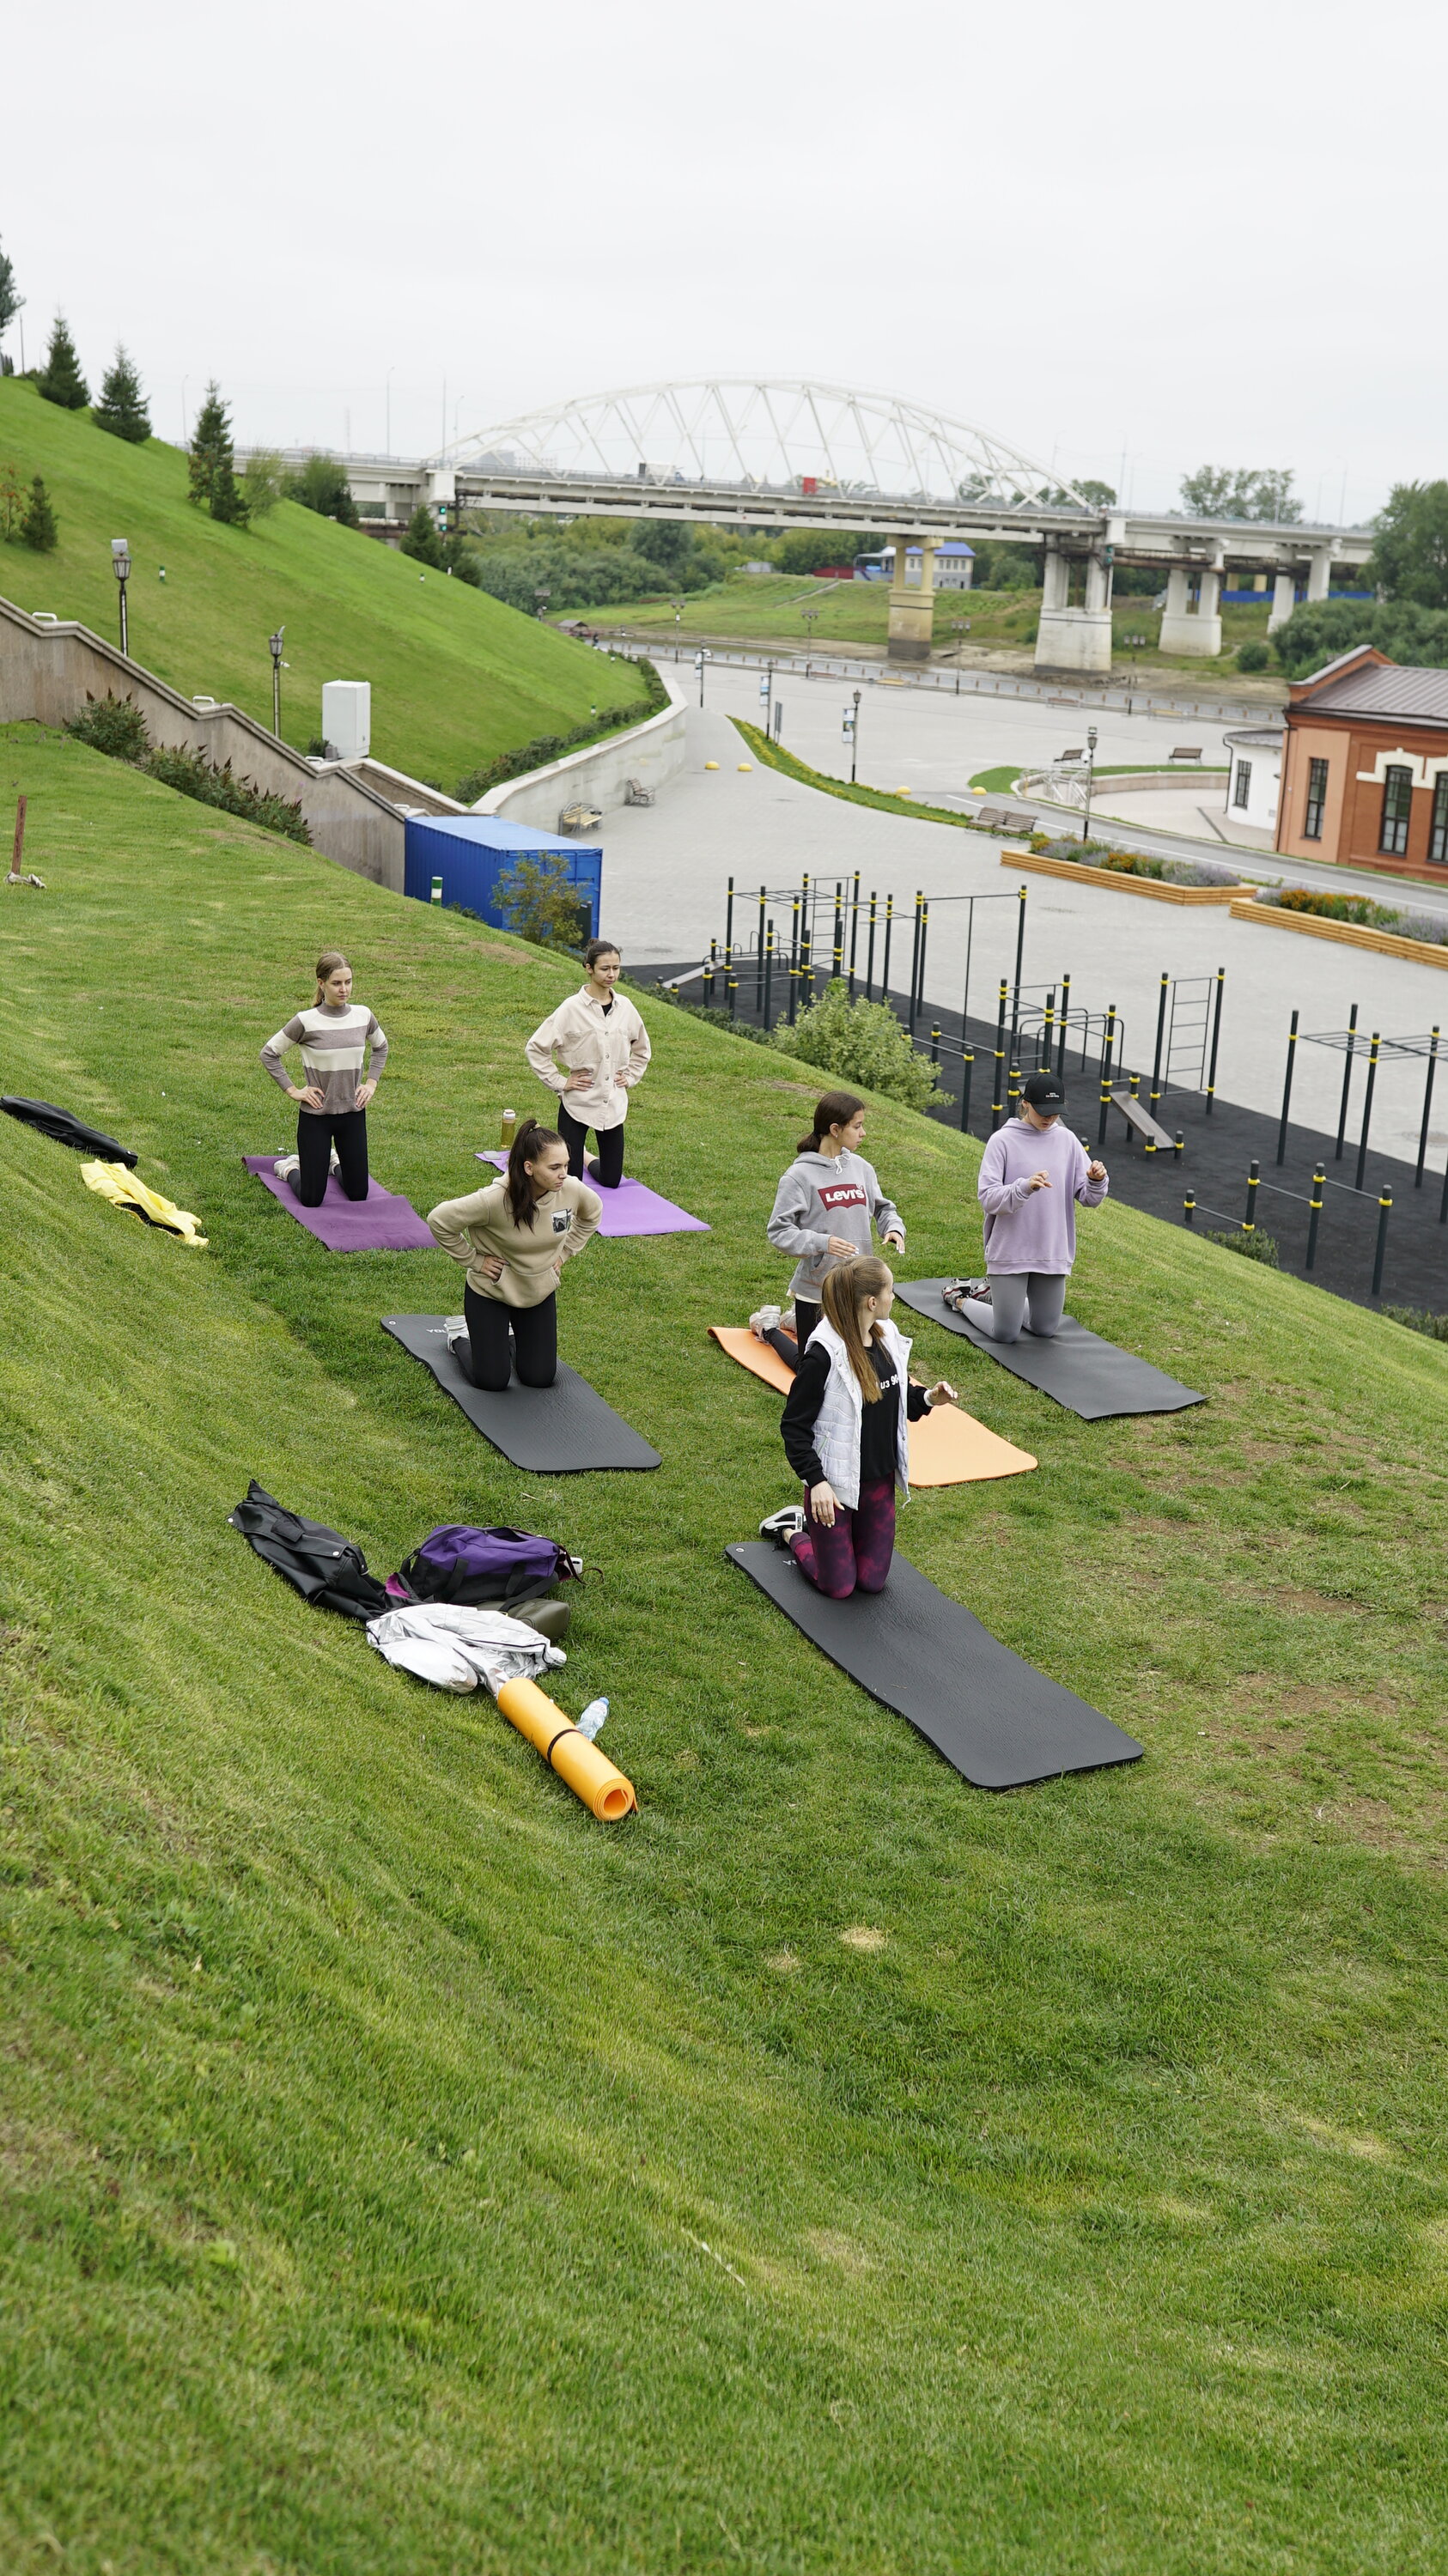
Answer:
[(469, 852)]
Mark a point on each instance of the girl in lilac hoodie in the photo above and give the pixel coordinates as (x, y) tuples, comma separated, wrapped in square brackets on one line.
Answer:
[(1032, 1173)]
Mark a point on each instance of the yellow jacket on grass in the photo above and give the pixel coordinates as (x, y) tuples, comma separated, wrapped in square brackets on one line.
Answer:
[(482, 1227), (112, 1181)]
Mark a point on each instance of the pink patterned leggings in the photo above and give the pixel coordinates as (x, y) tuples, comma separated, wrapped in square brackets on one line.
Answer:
[(854, 1555)]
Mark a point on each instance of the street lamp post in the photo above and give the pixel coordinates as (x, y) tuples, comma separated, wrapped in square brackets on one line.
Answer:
[(1090, 776), (854, 735), (121, 567), (701, 657), (542, 597), (276, 642)]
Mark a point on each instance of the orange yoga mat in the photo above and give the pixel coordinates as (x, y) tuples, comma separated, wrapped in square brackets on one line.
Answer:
[(589, 1773), (947, 1448)]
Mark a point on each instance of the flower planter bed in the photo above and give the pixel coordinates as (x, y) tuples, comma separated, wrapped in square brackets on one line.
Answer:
[(1073, 874), (1351, 933)]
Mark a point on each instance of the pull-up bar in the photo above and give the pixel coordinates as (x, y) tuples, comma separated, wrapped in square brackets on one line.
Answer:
[(1381, 1050)]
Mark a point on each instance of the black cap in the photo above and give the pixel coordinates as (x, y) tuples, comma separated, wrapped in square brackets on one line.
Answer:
[(1045, 1091)]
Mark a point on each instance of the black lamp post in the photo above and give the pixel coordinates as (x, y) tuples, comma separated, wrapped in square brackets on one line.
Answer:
[(1090, 775), (121, 567), (854, 735), (276, 642)]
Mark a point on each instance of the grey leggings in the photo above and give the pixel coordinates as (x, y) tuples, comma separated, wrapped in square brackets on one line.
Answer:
[(1012, 1294)]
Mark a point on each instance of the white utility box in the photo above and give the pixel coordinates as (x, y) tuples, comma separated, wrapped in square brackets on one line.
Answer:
[(347, 718)]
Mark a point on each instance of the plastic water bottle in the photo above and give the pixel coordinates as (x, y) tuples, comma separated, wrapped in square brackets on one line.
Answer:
[(508, 1130), (592, 1718)]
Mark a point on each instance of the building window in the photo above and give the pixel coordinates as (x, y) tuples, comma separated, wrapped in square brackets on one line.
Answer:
[(1316, 799), (1397, 805), (1438, 833), (1242, 790)]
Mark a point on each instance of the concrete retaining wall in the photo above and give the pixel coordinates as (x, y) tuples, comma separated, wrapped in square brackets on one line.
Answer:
[(652, 752), (48, 669)]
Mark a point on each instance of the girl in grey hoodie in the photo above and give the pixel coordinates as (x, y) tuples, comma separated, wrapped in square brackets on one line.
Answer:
[(826, 1204)]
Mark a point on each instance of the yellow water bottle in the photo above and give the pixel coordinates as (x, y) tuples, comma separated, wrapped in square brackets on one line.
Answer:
[(508, 1130)]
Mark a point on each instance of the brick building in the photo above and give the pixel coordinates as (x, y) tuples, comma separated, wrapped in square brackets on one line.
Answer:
[(1365, 767)]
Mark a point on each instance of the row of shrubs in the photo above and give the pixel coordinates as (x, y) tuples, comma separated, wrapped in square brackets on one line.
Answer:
[(552, 746), (1133, 863), (1362, 912), (117, 727)]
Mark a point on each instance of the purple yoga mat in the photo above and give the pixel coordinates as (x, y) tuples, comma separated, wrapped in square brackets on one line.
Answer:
[(378, 1223), (632, 1209)]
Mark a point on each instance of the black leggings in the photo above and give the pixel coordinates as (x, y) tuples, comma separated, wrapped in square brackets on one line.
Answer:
[(534, 1341), (316, 1134), (609, 1141), (806, 1317)]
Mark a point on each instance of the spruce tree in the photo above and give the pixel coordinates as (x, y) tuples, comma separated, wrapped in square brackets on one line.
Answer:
[(122, 406), (211, 473), (38, 527), (421, 539), (60, 379), (10, 302)]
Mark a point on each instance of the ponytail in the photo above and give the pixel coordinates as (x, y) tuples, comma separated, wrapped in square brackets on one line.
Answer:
[(327, 964), (840, 1296), (835, 1110), (526, 1147)]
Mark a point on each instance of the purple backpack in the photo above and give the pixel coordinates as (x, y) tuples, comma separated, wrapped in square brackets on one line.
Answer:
[(476, 1566)]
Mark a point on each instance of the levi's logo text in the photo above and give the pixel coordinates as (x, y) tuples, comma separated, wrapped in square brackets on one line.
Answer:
[(562, 1221), (842, 1194)]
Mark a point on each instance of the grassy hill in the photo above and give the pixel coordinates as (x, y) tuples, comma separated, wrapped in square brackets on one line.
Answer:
[(833, 2171), (455, 675)]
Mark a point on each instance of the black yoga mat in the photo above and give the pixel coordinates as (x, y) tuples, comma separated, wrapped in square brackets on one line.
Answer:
[(558, 1430), (1089, 1376), (68, 1129), (995, 1718)]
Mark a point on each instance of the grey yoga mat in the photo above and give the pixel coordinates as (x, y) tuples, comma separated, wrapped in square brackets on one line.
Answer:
[(999, 1722), (1089, 1376), (564, 1429)]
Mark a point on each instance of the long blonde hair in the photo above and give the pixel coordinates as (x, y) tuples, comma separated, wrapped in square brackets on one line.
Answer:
[(840, 1297), (327, 964)]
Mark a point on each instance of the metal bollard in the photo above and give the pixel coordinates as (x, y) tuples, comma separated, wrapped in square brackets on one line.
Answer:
[(1176, 1151), (1249, 1221), (1385, 1210), (1189, 1208), (1319, 1182), (733, 995), (935, 1045), (967, 1068)]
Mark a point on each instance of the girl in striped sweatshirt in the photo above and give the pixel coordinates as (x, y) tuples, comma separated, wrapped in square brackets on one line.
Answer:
[(334, 1036)]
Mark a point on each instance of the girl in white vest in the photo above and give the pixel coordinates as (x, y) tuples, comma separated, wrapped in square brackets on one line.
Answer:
[(845, 1434), (591, 1051)]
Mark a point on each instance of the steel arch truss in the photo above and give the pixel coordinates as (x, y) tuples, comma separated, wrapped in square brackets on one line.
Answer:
[(765, 435)]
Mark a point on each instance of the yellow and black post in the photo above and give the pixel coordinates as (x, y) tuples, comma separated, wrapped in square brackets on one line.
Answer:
[(1314, 1204), (1254, 1183), (1385, 1210)]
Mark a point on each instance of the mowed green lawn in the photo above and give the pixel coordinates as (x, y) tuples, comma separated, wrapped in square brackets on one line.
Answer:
[(831, 2169), (455, 676)]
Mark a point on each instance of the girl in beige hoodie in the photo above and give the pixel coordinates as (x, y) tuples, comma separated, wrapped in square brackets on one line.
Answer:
[(513, 1239), (591, 1051)]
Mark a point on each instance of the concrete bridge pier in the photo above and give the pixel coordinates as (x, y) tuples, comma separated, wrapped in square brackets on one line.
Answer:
[(912, 609), (1187, 630), (1074, 639), (1284, 599)]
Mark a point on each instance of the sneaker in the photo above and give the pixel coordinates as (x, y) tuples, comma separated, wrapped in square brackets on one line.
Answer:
[(287, 1166), (334, 1161), (783, 1525), (764, 1322), (956, 1291)]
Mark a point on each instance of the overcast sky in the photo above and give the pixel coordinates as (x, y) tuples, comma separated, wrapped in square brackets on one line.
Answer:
[(1173, 236)]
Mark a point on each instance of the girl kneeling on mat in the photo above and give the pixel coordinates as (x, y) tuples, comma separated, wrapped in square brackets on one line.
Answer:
[(823, 1211), (845, 1435), (334, 1035), (1032, 1173), (513, 1239), (599, 1035)]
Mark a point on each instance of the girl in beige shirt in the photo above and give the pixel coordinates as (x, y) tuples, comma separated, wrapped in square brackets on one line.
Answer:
[(591, 1051), (513, 1239)]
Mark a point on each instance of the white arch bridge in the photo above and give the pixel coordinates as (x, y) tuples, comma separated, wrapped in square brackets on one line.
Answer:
[(773, 454)]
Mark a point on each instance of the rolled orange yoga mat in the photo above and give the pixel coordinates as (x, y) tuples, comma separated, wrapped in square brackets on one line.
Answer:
[(589, 1773)]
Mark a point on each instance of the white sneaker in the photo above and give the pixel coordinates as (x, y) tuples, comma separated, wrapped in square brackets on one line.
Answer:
[(783, 1525), (335, 1162), (764, 1322), (287, 1167)]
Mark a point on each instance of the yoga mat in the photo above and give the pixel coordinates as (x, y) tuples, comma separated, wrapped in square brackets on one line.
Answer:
[(1076, 1368), (998, 1721), (378, 1223), (561, 1430), (631, 1208), (589, 1774), (947, 1448)]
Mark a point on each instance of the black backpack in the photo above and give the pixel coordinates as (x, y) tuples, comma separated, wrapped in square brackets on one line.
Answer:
[(318, 1562)]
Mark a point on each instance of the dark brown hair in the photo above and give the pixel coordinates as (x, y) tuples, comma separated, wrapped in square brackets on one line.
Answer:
[(526, 1147), (600, 948), (835, 1110), (840, 1296)]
